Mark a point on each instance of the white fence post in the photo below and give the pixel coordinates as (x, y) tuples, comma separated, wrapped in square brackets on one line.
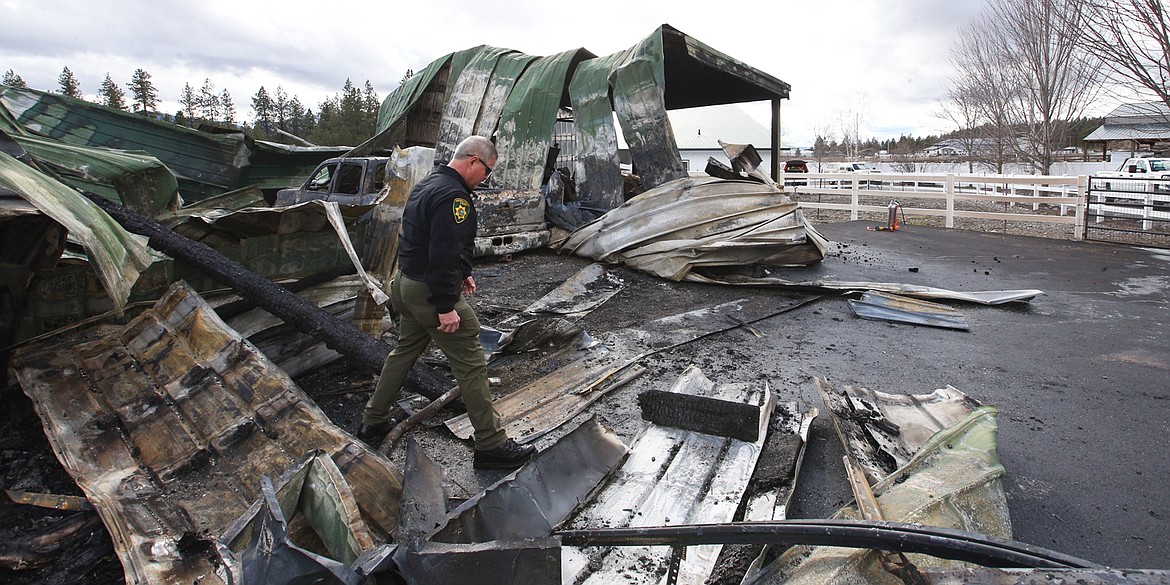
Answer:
[(856, 199), (1082, 207), (950, 191)]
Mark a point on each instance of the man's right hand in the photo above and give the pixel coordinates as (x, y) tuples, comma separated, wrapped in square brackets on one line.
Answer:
[(449, 322)]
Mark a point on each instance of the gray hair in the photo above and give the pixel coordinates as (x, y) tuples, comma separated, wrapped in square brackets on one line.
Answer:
[(476, 146)]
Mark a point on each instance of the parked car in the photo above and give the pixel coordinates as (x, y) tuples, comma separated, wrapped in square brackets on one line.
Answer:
[(795, 166)]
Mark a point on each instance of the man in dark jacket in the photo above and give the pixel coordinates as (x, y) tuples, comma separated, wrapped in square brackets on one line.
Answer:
[(434, 271)]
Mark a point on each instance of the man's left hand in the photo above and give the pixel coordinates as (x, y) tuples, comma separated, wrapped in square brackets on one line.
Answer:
[(468, 286)]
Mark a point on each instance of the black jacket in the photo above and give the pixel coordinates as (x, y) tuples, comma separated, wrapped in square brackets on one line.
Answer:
[(438, 236)]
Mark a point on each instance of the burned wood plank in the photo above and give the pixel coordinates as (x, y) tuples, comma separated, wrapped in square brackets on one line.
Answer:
[(702, 414)]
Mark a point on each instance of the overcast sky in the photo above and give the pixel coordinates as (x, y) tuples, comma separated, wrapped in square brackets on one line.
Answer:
[(891, 55)]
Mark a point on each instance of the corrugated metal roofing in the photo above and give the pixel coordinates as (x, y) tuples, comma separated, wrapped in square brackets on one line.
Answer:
[(1139, 113), (117, 256), (702, 128), (666, 70), (204, 163), (1130, 132)]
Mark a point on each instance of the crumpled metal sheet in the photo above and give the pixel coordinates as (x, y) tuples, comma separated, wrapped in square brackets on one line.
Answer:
[(672, 476), (955, 480), (578, 295), (260, 548), (549, 402), (118, 256), (990, 297), (502, 534), (883, 431), (167, 425), (881, 306), (986, 576), (138, 180), (701, 222), (204, 163)]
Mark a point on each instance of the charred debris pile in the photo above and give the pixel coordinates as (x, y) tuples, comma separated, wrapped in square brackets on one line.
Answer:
[(164, 286)]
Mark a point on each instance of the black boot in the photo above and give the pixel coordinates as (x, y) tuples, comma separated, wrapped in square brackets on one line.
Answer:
[(373, 434), (510, 455)]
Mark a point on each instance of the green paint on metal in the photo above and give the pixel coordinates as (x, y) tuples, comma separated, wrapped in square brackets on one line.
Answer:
[(509, 69), (597, 173), (529, 117), (639, 88), (116, 255), (462, 110), (136, 179), (204, 163)]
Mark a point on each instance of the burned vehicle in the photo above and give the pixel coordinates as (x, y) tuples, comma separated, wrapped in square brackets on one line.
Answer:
[(345, 180)]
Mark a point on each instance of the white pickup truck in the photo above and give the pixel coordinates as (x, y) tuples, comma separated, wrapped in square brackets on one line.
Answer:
[(1152, 174), (1140, 188)]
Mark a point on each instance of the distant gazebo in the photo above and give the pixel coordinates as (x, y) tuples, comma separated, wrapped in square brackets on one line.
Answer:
[(1140, 124)]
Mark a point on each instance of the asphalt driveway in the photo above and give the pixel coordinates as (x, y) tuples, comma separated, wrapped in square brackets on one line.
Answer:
[(1081, 376)]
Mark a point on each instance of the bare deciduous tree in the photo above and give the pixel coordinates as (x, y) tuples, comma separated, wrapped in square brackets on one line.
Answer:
[(1022, 64), (1132, 40), (851, 117)]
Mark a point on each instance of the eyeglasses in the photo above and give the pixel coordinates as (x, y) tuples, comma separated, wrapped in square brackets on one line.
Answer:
[(485, 167)]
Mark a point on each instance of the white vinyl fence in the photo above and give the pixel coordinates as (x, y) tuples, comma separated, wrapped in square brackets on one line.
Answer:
[(948, 195)]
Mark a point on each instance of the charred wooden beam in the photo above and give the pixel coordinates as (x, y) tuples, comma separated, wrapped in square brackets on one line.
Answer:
[(235, 308), (702, 414), (308, 318)]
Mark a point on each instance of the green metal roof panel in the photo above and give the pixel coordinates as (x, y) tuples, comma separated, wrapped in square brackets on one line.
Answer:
[(528, 120), (116, 255), (509, 68), (462, 110), (136, 179), (204, 163), (639, 88), (598, 173)]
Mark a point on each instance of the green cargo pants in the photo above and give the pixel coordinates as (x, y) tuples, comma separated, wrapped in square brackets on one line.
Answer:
[(418, 326)]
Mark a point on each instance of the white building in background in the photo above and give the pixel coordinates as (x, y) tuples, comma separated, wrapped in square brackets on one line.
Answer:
[(699, 130)]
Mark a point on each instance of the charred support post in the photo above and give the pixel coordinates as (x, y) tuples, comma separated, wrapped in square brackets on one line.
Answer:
[(305, 316)]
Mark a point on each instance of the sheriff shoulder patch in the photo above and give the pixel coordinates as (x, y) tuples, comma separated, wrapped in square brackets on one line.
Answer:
[(460, 208)]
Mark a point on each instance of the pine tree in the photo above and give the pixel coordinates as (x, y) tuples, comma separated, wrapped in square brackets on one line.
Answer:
[(348, 118), (228, 107), (370, 105), (280, 108), (111, 95), (189, 103), (262, 116), (144, 93), (69, 84), (301, 121), (11, 79), (207, 101)]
